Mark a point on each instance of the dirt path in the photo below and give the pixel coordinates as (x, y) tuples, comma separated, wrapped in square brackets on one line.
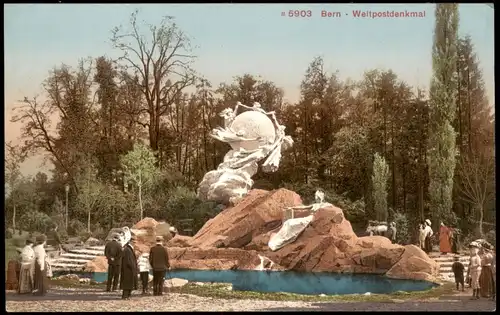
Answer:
[(83, 299)]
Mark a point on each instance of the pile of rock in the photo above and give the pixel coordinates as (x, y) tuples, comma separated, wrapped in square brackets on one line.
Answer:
[(237, 238)]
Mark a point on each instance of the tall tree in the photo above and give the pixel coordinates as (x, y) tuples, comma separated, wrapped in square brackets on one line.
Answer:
[(14, 157), (161, 63), (441, 146), (379, 181), (478, 183)]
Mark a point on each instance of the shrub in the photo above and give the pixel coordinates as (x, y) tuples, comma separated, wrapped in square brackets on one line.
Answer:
[(403, 234), (84, 235), (75, 227), (8, 233)]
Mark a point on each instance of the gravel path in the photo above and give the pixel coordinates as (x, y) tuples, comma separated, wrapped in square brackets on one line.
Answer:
[(94, 300), (91, 300)]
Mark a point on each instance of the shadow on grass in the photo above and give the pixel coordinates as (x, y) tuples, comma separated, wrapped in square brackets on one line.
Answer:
[(63, 295)]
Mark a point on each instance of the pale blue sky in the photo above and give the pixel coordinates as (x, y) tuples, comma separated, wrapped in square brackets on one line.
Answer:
[(233, 39)]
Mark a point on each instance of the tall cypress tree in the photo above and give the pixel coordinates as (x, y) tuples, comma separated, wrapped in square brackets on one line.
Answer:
[(441, 147)]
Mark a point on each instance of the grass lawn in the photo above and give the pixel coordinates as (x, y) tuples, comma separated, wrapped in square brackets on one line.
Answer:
[(221, 291)]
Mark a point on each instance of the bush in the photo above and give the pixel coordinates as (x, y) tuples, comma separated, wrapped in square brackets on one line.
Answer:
[(75, 227), (8, 233), (403, 235), (84, 236), (36, 221)]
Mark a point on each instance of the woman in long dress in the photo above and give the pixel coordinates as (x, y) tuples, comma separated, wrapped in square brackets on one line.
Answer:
[(40, 279), (487, 279), (444, 239), (27, 268)]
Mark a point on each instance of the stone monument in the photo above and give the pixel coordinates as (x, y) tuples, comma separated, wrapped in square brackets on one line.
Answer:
[(254, 135)]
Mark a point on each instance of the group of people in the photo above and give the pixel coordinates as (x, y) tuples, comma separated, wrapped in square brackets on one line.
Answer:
[(448, 238), (124, 267), (34, 271), (480, 273)]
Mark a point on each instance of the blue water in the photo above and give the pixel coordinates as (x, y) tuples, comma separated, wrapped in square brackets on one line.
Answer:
[(297, 282)]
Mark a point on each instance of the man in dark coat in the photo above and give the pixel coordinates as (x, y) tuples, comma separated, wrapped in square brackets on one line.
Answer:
[(158, 258), (113, 252), (129, 270)]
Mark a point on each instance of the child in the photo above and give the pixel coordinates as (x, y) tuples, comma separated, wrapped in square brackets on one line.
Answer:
[(144, 268), (458, 271)]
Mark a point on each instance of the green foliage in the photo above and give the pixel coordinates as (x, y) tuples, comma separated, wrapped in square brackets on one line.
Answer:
[(379, 183), (442, 137), (75, 227), (140, 167), (442, 160), (403, 226), (180, 205), (36, 221)]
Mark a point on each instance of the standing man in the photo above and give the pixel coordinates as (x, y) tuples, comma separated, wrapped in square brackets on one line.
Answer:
[(158, 258), (113, 252), (128, 277)]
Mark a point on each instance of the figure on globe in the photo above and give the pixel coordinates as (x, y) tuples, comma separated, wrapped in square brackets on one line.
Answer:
[(254, 135)]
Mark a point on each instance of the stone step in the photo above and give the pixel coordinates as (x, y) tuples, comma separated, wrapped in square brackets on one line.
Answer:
[(77, 256), (87, 252), (448, 265), (65, 265), (72, 260), (101, 248)]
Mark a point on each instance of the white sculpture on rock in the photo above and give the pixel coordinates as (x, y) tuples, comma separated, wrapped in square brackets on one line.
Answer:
[(292, 228), (254, 135)]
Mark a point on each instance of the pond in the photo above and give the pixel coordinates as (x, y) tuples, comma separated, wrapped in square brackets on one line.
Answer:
[(297, 282)]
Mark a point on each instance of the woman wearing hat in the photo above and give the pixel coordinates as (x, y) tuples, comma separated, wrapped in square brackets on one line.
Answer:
[(474, 270), (40, 278), (486, 279)]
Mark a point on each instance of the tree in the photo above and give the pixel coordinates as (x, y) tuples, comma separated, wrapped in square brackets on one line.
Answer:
[(139, 166), (91, 191), (441, 146), (478, 183), (379, 183), (161, 64), (13, 159)]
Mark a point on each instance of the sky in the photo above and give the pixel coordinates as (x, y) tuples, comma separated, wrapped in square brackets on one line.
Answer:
[(233, 39)]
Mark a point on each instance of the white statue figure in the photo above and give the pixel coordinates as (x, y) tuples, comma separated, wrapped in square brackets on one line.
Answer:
[(292, 228), (254, 135), (377, 228)]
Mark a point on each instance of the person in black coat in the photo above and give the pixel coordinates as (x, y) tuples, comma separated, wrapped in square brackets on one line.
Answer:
[(158, 259), (129, 270), (113, 252), (458, 271)]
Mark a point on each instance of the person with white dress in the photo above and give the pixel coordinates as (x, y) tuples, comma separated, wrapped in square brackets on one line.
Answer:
[(27, 273), (144, 268)]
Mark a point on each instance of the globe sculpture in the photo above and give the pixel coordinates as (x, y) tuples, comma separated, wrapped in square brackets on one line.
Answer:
[(253, 135)]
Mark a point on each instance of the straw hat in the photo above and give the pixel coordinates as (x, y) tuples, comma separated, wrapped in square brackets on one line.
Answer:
[(428, 221)]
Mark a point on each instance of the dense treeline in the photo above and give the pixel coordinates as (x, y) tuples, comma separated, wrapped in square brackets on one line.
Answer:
[(106, 109)]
